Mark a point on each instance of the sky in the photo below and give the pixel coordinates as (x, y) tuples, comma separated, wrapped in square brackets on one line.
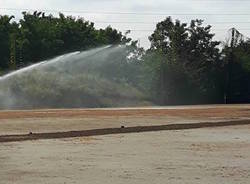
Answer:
[(141, 16)]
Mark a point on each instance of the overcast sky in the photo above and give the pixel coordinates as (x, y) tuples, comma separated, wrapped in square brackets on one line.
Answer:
[(145, 24)]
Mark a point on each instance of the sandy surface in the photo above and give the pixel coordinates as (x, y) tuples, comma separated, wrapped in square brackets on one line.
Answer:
[(39, 121), (210, 155)]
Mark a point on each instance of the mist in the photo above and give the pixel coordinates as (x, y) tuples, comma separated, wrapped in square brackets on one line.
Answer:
[(74, 80)]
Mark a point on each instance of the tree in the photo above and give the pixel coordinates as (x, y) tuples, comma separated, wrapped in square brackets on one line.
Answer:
[(236, 69), (7, 34), (38, 36), (187, 59)]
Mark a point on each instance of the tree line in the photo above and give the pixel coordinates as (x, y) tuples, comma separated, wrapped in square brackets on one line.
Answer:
[(192, 67), (38, 36), (184, 64)]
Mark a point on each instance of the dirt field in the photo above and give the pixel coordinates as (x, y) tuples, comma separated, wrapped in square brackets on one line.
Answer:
[(40, 121), (204, 155)]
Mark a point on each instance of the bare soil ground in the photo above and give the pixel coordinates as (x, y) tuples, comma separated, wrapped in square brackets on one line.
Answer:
[(44, 121), (208, 155)]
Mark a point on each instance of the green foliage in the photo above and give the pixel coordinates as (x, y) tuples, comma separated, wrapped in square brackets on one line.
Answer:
[(38, 36), (237, 68), (184, 64), (186, 58), (7, 31)]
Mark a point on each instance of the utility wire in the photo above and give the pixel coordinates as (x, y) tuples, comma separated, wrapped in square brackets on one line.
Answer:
[(120, 22), (126, 13), (140, 13), (151, 30)]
